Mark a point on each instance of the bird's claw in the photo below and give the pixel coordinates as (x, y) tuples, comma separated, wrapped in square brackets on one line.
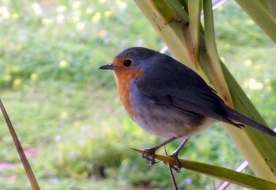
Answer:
[(179, 165), (177, 168), (149, 154)]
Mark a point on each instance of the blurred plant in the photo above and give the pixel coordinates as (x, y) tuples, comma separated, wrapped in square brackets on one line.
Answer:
[(64, 41), (49, 55), (193, 43)]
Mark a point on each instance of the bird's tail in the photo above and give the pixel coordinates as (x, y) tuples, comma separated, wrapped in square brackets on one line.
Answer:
[(235, 116)]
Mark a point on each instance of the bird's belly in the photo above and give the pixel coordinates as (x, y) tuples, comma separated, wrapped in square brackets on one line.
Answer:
[(168, 122), (164, 120)]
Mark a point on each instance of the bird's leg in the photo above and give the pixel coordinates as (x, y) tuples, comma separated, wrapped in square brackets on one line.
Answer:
[(152, 151), (175, 156)]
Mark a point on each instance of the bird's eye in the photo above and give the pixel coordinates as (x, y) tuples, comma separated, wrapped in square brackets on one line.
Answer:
[(127, 62)]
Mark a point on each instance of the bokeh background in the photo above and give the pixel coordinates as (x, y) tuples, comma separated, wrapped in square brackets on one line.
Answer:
[(67, 114)]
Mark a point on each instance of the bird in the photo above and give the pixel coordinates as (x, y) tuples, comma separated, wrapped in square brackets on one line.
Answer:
[(168, 99)]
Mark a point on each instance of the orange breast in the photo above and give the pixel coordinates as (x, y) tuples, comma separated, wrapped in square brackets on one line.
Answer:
[(124, 76)]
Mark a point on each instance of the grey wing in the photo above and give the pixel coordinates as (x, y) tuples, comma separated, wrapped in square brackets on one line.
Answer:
[(193, 97)]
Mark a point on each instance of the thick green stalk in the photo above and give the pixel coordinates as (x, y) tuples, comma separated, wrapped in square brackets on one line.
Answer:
[(166, 24), (261, 15), (175, 31), (218, 172), (255, 155), (259, 149), (194, 8), (214, 68)]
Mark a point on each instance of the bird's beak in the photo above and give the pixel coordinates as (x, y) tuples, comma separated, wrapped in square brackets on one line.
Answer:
[(108, 66)]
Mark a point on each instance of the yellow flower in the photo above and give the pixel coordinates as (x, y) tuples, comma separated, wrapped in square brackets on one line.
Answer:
[(250, 22), (7, 77), (33, 77), (17, 82), (80, 26), (63, 64), (248, 62), (61, 9), (63, 115), (15, 16), (77, 125), (96, 18), (46, 21)]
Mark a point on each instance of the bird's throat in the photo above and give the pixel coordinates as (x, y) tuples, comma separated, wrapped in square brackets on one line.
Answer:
[(124, 82)]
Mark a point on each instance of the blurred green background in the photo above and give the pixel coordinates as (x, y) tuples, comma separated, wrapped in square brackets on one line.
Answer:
[(67, 114)]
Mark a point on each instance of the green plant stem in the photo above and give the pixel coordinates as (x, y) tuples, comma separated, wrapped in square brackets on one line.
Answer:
[(260, 154), (261, 16), (221, 173)]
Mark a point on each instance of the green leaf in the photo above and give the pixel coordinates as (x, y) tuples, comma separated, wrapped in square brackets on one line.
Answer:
[(218, 172)]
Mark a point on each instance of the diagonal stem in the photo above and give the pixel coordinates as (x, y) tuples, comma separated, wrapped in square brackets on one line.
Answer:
[(20, 151)]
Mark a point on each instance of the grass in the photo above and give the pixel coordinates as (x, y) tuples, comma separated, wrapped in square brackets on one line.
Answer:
[(67, 113)]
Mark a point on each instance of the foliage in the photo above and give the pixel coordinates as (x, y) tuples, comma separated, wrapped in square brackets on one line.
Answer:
[(68, 111), (248, 53)]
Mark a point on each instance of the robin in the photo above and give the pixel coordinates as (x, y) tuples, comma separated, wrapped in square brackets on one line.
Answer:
[(168, 99)]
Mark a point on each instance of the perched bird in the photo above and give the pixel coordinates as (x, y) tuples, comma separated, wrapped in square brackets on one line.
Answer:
[(169, 100)]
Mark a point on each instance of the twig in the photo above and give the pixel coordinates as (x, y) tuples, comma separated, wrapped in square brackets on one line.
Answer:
[(20, 151), (171, 173)]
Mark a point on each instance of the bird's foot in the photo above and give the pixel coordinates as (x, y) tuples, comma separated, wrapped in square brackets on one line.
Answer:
[(149, 154), (178, 165)]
